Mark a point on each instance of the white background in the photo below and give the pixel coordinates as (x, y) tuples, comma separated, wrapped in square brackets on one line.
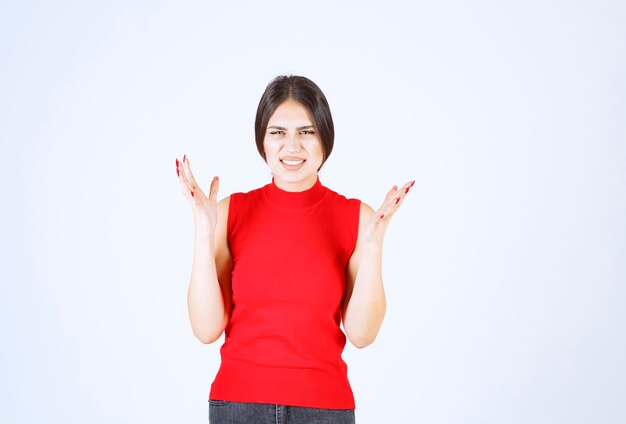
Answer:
[(505, 268)]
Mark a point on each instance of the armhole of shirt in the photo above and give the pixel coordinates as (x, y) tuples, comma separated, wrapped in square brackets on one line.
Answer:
[(355, 216), (230, 221)]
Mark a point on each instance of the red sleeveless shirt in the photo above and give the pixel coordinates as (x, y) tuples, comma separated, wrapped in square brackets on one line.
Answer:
[(283, 342)]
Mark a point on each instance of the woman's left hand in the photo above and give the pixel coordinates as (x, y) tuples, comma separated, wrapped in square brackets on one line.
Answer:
[(364, 300), (379, 221)]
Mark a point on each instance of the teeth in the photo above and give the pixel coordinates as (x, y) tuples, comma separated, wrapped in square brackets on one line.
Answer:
[(292, 162)]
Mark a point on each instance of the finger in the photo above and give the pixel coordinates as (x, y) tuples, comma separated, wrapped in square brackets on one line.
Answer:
[(393, 200), (393, 197), (407, 186), (189, 174), (391, 193), (215, 185), (386, 211), (185, 186), (382, 210), (189, 190), (403, 191)]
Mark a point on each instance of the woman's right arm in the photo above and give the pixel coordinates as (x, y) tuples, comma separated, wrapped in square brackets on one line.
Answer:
[(209, 296)]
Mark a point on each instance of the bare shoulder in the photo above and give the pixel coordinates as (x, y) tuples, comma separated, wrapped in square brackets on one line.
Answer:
[(222, 209), (222, 205), (222, 216), (366, 213)]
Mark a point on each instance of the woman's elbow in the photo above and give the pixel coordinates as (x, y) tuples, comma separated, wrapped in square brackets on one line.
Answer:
[(207, 337), (361, 341), (364, 335), (361, 344), (207, 334)]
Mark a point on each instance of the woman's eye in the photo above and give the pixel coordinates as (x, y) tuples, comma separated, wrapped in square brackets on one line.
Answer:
[(277, 132), (308, 132)]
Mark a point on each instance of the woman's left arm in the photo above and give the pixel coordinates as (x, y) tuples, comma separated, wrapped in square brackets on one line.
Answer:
[(364, 300)]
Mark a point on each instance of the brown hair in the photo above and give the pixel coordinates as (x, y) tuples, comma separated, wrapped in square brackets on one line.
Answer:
[(304, 91)]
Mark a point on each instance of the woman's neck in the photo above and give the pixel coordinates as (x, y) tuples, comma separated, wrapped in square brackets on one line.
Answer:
[(296, 186)]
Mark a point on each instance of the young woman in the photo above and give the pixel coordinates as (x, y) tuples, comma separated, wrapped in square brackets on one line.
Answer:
[(280, 267)]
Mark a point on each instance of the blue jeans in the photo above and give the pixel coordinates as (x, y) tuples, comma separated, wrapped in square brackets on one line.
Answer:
[(227, 412)]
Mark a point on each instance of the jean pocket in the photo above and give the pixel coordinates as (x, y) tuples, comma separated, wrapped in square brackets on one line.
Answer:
[(216, 402)]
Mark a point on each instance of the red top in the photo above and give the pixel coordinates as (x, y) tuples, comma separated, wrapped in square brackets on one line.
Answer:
[(283, 342)]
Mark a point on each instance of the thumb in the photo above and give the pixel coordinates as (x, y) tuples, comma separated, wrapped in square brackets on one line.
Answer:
[(215, 185)]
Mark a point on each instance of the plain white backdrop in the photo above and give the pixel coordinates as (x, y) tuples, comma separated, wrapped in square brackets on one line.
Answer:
[(505, 268)]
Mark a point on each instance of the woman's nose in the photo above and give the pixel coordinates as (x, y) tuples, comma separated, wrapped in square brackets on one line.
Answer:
[(292, 143)]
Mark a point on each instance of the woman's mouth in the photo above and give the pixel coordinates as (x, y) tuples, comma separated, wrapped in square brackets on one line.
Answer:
[(292, 164)]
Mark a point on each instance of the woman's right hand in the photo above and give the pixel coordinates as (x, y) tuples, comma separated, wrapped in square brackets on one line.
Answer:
[(204, 207)]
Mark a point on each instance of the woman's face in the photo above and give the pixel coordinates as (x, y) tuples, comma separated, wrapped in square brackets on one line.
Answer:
[(293, 149)]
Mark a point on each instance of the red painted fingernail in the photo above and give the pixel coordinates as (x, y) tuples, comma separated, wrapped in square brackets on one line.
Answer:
[(382, 216), (407, 189), (395, 187), (216, 177), (412, 183), (184, 156), (397, 200), (176, 162), (193, 195), (177, 172)]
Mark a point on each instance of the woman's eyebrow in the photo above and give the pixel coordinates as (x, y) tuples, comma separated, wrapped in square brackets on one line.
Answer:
[(283, 128)]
